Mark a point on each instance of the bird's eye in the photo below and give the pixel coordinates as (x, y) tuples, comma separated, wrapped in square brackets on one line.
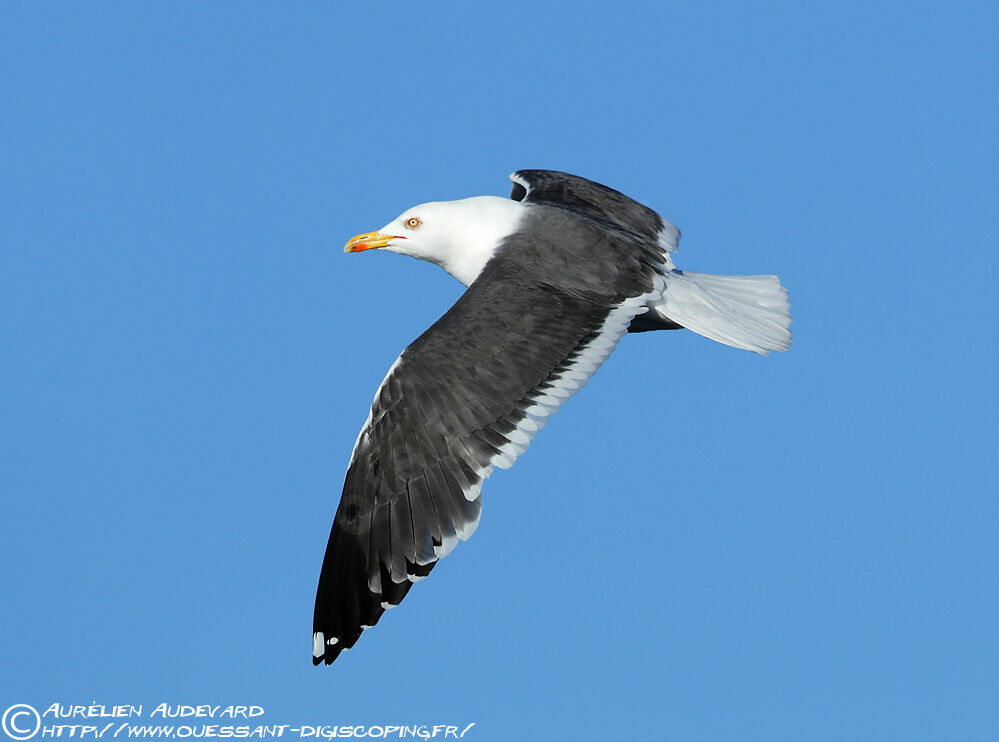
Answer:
[(413, 222)]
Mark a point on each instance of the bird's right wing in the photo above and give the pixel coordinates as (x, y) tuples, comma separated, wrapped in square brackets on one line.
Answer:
[(598, 202), (466, 396)]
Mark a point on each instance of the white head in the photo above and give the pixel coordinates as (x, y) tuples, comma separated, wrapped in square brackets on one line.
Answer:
[(459, 236)]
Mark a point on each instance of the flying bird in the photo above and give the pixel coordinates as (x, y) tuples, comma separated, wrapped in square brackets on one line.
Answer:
[(556, 275)]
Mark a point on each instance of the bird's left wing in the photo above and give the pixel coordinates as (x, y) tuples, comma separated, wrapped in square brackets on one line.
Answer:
[(466, 396)]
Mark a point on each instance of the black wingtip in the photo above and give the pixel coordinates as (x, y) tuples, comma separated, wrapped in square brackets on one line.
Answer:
[(329, 654), (325, 650)]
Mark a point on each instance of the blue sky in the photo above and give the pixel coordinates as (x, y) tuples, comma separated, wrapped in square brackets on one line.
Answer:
[(703, 545)]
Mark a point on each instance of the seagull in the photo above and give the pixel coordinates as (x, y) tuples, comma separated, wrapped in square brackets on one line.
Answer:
[(557, 274)]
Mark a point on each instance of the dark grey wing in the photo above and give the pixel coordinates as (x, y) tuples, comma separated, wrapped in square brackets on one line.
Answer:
[(466, 396), (648, 236), (597, 202)]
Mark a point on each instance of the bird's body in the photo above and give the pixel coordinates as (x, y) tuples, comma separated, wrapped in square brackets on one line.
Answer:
[(556, 275)]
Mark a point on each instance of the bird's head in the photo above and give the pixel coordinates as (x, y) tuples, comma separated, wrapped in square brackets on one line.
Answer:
[(460, 236)]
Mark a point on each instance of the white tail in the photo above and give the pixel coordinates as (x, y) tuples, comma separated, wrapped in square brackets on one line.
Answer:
[(748, 312)]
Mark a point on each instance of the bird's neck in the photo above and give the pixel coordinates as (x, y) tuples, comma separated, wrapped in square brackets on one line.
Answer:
[(486, 221)]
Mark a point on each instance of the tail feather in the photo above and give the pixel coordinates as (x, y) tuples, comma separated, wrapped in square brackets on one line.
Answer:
[(748, 312)]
